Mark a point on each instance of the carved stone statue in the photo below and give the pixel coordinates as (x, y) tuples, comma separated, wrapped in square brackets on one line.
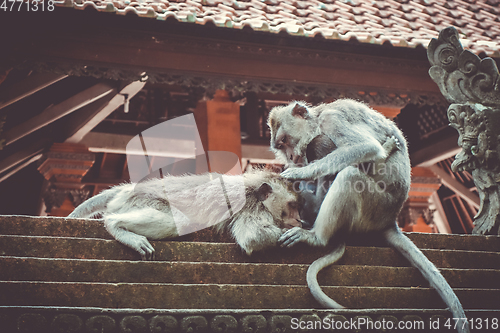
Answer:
[(472, 84)]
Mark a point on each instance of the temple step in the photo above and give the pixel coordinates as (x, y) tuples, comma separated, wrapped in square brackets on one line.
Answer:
[(227, 296), (84, 228), (93, 248), (115, 271), (52, 269)]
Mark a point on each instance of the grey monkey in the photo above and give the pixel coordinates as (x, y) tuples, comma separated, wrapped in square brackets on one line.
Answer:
[(262, 205), (312, 195), (359, 199)]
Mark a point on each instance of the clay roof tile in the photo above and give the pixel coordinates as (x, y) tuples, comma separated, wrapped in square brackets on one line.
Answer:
[(381, 4), (405, 23), (384, 13)]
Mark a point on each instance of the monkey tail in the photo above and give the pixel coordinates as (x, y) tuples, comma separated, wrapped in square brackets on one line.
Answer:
[(312, 277), (411, 252), (94, 205)]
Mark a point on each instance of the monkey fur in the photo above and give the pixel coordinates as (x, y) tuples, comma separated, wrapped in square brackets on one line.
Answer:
[(133, 213), (344, 137)]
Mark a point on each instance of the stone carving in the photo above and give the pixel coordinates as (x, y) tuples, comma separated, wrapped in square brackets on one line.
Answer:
[(224, 323), (66, 323), (100, 324), (54, 197), (37, 319), (410, 214), (163, 324), (29, 322), (472, 85), (254, 323), (194, 324), (134, 324)]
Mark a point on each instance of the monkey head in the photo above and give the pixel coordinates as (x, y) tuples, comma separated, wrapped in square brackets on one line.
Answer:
[(293, 127), (319, 147), (271, 206), (281, 202)]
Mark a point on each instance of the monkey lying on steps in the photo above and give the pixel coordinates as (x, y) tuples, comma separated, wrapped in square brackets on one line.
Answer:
[(359, 199), (168, 207)]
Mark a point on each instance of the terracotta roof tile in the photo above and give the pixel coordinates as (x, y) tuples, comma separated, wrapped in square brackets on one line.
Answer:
[(405, 23)]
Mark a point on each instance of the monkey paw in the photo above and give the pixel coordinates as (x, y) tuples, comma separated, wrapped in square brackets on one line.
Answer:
[(392, 143), (292, 237), (144, 247), (306, 172)]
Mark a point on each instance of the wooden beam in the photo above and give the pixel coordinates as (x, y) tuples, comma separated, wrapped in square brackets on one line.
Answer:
[(275, 63), (117, 144), (20, 166), (86, 120), (436, 152), (28, 86), (440, 220), (22, 155), (456, 186), (58, 111), (106, 142), (75, 128)]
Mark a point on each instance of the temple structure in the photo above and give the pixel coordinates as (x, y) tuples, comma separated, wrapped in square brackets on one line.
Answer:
[(80, 79), (84, 85)]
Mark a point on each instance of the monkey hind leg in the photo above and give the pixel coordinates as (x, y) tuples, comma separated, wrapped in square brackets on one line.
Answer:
[(411, 252), (133, 228), (137, 242), (312, 277)]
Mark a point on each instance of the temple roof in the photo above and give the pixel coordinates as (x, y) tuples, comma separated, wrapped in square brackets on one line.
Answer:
[(400, 23)]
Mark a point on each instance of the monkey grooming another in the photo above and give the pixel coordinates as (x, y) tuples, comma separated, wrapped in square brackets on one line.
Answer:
[(348, 136), (167, 207)]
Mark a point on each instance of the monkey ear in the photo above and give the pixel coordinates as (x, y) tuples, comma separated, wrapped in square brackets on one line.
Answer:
[(300, 111), (263, 192)]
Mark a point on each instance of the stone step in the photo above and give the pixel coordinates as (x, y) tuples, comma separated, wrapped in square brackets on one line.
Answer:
[(83, 228), (92, 248), (34, 319), (113, 271), (227, 296)]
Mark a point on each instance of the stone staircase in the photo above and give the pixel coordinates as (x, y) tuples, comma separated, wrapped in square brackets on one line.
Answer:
[(68, 275)]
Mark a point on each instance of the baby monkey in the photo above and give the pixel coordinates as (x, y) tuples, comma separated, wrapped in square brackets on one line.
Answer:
[(371, 179), (261, 204)]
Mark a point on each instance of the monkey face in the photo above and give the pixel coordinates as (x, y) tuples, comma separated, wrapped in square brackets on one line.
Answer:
[(292, 128), (283, 204), (291, 216)]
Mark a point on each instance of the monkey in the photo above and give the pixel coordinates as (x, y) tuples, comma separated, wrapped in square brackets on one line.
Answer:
[(312, 195), (312, 192), (359, 199), (164, 208)]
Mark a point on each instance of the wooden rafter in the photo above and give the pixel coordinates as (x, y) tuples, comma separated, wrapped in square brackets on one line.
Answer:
[(456, 186), (23, 155), (86, 120), (20, 166), (436, 152), (58, 111), (28, 86), (442, 222)]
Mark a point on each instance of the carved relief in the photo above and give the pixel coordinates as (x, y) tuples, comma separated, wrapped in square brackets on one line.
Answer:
[(28, 319), (461, 75), (472, 84), (239, 86), (64, 166)]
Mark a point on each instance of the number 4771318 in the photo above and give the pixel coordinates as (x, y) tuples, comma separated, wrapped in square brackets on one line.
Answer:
[(26, 5), (475, 323)]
